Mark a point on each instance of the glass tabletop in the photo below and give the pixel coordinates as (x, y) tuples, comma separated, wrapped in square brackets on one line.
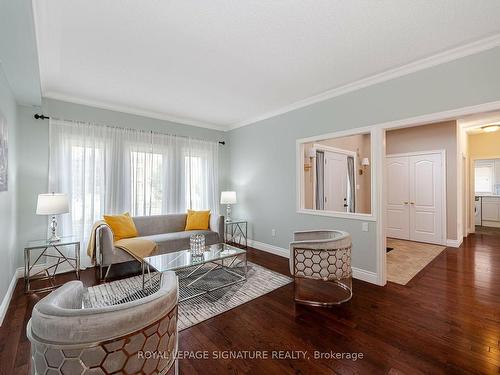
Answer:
[(65, 240), (235, 221), (184, 259)]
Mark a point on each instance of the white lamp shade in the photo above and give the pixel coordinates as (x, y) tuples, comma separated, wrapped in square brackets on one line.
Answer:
[(228, 197), (365, 162), (52, 204)]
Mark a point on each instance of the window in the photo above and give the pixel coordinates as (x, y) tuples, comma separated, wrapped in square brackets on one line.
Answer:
[(484, 177), (87, 186), (195, 189), (111, 170), (146, 183)]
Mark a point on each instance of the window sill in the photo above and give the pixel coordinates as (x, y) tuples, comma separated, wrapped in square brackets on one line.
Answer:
[(339, 215)]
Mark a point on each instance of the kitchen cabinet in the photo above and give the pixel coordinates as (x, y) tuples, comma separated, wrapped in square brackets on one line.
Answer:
[(491, 209)]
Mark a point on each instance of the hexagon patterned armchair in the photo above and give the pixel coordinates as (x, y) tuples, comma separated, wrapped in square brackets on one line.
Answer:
[(134, 337), (320, 262)]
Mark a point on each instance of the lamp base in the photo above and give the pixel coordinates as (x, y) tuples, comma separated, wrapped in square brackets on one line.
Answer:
[(53, 228), (228, 213), (54, 238)]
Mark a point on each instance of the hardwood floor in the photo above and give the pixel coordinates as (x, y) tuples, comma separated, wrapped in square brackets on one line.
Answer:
[(446, 320)]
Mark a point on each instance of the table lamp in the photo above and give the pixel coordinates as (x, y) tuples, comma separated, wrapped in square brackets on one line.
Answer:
[(228, 198), (52, 204)]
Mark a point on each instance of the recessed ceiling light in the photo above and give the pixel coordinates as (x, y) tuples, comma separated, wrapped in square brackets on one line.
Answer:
[(491, 128)]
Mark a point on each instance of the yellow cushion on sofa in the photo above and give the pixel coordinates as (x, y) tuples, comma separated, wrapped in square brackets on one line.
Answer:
[(197, 220), (122, 226)]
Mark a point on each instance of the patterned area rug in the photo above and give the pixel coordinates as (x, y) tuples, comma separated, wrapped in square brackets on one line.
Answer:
[(408, 258), (259, 281)]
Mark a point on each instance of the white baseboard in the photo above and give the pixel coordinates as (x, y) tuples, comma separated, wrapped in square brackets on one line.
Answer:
[(18, 275), (35, 269), (494, 224), (269, 248), (454, 243), (8, 296), (363, 275), (357, 273)]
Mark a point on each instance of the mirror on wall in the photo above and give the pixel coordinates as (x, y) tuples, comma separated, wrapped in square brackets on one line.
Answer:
[(336, 174)]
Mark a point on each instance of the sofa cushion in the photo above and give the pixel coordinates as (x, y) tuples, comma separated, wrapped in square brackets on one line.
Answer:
[(169, 242), (197, 220), (122, 226), (158, 224)]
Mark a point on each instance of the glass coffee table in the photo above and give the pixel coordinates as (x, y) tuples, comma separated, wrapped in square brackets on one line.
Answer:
[(227, 263)]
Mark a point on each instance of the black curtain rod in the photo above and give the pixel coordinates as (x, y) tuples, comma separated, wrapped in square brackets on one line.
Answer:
[(43, 117)]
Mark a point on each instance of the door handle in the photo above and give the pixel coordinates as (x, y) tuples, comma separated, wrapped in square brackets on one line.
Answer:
[(412, 202), (405, 202)]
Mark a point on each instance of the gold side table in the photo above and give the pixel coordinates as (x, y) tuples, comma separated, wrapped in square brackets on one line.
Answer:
[(48, 271)]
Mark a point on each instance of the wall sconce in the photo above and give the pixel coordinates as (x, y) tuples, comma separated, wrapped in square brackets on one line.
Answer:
[(310, 155), (365, 162)]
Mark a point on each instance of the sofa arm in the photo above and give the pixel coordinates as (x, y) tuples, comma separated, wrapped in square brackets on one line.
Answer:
[(217, 225), (104, 238)]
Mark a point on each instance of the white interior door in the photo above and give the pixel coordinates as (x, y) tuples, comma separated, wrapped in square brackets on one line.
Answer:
[(426, 198), (398, 197), (335, 181), (415, 197)]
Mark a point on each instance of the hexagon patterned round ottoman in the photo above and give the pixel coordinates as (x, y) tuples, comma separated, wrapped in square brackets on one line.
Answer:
[(320, 263), (137, 337)]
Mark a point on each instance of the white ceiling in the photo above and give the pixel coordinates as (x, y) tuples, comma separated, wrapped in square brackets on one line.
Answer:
[(473, 123), (18, 57), (226, 62)]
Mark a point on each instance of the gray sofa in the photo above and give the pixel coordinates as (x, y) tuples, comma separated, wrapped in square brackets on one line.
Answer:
[(166, 230), (68, 339)]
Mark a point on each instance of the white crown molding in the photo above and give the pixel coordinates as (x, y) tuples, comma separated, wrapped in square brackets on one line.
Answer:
[(428, 62), (132, 111)]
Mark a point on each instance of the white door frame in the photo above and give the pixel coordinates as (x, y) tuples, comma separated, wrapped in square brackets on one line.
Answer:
[(319, 146), (378, 142), (299, 178), (443, 185), (377, 165)]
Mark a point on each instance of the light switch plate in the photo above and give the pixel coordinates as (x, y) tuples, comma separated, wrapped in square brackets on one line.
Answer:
[(364, 227)]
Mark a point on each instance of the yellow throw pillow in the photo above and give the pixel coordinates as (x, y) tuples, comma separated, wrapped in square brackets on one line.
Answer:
[(122, 226), (197, 220)]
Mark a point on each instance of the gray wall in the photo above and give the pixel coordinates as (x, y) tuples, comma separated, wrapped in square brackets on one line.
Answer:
[(8, 256), (34, 152), (263, 154)]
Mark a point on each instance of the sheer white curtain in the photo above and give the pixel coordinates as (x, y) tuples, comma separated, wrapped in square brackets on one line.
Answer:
[(113, 170)]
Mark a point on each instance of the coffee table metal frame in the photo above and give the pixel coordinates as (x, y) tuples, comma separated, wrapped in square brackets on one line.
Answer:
[(223, 262)]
